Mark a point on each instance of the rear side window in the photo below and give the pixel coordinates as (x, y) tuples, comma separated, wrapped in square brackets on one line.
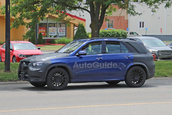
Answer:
[(139, 47), (115, 47)]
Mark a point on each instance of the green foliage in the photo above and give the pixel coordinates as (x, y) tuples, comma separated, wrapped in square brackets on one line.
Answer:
[(113, 33), (63, 40), (40, 39), (89, 35), (80, 33), (1, 43)]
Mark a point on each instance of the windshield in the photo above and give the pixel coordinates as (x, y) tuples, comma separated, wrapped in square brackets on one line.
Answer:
[(24, 46), (153, 43), (70, 47)]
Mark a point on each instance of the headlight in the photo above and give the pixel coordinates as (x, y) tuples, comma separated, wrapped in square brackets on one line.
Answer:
[(22, 56), (35, 66), (153, 51)]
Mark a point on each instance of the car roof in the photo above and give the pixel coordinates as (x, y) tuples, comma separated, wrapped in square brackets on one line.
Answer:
[(19, 42), (106, 39), (143, 37)]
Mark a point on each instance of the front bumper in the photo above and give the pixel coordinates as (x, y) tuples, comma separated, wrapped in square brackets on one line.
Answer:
[(163, 54), (25, 74)]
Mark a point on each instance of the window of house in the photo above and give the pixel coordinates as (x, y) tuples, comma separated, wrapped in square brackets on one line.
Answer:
[(52, 29), (141, 24), (110, 24)]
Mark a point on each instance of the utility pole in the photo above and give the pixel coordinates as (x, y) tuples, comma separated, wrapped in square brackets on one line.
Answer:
[(7, 37)]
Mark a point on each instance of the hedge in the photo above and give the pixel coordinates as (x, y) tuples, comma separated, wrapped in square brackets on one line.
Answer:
[(63, 40), (115, 33)]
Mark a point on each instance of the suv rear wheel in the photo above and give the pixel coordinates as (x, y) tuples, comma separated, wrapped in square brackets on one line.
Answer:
[(57, 78), (135, 77)]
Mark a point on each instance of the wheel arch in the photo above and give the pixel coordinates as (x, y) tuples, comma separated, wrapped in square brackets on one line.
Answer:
[(141, 65), (59, 66)]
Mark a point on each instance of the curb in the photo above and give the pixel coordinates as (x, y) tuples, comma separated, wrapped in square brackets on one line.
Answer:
[(13, 82)]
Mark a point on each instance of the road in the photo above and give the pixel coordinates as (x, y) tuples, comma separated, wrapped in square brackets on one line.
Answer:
[(154, 98)]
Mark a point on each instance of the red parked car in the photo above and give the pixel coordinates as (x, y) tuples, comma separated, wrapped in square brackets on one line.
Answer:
[(19, 50)]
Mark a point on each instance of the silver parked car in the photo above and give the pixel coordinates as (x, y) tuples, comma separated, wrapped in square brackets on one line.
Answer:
[(170, 45), (155, 46)]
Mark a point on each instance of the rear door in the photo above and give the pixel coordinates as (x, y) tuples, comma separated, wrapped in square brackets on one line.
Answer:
[(117, 58)]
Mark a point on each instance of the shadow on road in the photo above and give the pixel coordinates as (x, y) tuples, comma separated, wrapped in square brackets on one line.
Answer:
[(85, 87)]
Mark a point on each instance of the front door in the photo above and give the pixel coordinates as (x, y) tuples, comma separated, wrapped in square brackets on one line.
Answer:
[(86, 67)]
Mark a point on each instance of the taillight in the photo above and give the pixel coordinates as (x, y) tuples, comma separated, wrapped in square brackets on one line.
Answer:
[(154, 57)]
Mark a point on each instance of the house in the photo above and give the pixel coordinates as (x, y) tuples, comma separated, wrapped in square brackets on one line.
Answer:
[(118, 19), (150, 23), (49, 27)]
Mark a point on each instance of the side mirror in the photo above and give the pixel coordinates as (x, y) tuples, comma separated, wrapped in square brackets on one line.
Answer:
[(39, 48), (11, 49), (83, 52)]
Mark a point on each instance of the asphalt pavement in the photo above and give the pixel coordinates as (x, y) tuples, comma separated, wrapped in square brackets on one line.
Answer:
[(154, 98)]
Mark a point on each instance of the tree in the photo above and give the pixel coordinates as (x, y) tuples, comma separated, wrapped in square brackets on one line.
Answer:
[(80, 33), (34, 10)]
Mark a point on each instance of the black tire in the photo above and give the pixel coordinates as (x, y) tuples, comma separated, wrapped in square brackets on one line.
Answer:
[(57, 78), (14, 59), (112, 83), (136, 77), (38, 84)]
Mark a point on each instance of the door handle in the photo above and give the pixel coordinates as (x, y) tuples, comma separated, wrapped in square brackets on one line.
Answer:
[(99, 58)]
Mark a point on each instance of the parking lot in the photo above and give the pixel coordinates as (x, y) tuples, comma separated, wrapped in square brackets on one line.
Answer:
[(154, 98)]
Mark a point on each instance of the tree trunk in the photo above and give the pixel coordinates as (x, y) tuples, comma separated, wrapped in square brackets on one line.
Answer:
[(94, 29), (97, 14)]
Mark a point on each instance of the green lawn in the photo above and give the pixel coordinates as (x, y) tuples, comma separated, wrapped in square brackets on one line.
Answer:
[(162, 69), (9, 76), (50, 47)]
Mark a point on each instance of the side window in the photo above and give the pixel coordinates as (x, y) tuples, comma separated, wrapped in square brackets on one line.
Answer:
[(123, 48), (112, 47), (115, 47), (4, 46), (93, 48)]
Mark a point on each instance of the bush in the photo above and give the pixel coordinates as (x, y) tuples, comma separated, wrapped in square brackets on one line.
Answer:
[(40, 39), (89, 34), (113, 33), (1, 43), (80, 33), (63, 40)]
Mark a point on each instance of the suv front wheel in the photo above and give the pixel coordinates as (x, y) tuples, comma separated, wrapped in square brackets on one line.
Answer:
[(135, 77), (57, 78)]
